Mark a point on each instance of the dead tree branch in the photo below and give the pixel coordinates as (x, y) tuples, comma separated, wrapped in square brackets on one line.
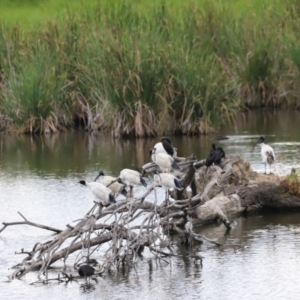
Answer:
[(221, 192)]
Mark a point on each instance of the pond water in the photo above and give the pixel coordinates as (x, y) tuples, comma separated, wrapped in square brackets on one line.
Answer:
[(259, 258)]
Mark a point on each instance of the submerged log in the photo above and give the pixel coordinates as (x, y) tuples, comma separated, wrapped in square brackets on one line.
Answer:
[(217, 193)]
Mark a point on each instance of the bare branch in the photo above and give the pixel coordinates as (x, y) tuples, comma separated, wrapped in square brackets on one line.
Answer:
[(26, 222)]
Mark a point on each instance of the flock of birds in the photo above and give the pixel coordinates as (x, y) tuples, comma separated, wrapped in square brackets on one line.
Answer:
[(106, 188), (163, 154)]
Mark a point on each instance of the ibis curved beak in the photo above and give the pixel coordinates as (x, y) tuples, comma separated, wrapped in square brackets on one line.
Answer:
[(257, 142), (150, 153), (254, 146)]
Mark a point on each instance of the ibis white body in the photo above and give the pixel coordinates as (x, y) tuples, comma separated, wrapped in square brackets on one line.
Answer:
[(103, 193), (267, 153), (164, 161), (116, 187), (168, 181), (165, 146), (132, 178), (160, 149)]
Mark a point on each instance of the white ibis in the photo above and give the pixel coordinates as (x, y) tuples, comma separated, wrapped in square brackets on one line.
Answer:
[(165, 146), (86, 271), (163, 160), (131, 178), (168, 181), (267, 153), (112, 183), (103, 193)]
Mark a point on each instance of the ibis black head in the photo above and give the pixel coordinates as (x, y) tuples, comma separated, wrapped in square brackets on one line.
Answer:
[(86, 271), (119, 180), (100, 174), (260, 140), (82, 182), (151, 151)]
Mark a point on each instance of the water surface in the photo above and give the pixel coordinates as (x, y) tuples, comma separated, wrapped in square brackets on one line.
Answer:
[(259, 258)]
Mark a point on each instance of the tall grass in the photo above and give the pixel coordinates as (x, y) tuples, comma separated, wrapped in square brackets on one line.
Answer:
[(145, 67)]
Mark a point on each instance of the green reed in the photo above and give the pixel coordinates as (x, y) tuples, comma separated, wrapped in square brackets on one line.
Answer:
[(146, 67)]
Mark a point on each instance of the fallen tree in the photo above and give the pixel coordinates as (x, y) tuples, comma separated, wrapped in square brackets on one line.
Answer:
[(217, 193)]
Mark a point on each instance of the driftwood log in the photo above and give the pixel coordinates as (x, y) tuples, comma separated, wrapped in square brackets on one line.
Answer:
[(218, 193)]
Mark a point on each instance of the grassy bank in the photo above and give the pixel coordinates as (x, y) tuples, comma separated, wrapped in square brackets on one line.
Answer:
[(144, 67)]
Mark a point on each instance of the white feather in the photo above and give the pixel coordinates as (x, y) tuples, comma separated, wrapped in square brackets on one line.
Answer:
[(99, 190), (115, 187), (163, 160), (166, 180), (131, 177)]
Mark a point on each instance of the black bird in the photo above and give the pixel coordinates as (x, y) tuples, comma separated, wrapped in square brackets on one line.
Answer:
[(86, 271), (219, 154), (210, 158), (214, 156)]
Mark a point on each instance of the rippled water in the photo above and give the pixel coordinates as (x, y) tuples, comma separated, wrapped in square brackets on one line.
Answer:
[(259, 258)]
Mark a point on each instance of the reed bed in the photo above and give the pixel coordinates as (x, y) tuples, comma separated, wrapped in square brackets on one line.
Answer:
[(140, 68)]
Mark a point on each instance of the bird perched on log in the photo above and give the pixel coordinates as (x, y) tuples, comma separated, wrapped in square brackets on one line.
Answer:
[(86, 271), (112, 183), (214, 156), (167, 181), (267, 153), (165, 146), (219, 154), (131, 178), (163, 160), (103, 193)]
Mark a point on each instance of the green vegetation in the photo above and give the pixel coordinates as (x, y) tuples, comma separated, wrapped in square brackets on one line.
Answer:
[(142, 67), (292, 183)]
